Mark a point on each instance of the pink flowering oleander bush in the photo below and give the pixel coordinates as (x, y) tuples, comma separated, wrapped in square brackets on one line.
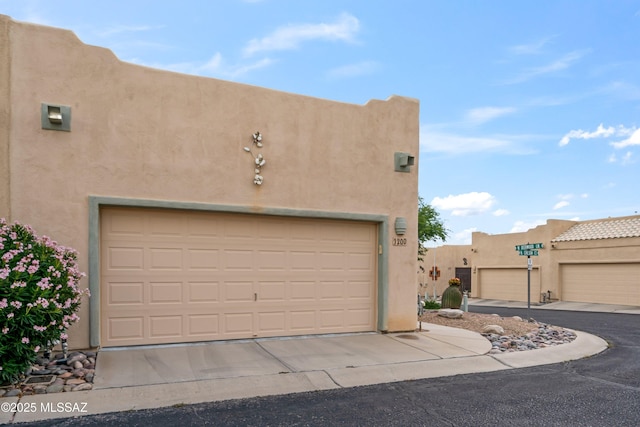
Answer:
[(39, 296)]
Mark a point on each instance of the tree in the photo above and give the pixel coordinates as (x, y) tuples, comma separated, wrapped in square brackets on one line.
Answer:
[(430, 227)]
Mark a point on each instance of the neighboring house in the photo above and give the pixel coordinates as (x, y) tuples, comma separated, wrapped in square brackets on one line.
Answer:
[(594, 261), (185, 234)]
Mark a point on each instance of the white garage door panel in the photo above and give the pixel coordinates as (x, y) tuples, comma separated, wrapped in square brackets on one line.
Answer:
[(601, 283), (179, 276)]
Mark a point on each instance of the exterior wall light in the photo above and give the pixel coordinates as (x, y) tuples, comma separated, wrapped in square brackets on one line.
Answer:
[(401, 226), (55, 117), (403, 162)]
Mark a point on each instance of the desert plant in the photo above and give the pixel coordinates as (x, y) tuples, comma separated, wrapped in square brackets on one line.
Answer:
[(452, 297), (39, 296), (431, 304)]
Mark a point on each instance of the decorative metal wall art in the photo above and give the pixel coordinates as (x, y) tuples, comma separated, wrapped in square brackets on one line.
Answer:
[(259, 161)]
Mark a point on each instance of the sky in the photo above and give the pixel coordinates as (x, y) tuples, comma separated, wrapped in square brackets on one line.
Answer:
[(529, 110)]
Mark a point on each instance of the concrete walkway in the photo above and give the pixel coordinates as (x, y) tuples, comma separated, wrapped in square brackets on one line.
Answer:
[(160, 376)]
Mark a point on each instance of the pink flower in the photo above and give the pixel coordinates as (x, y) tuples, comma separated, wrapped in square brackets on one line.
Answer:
[(64, 336), (25, 340), (36, 348)]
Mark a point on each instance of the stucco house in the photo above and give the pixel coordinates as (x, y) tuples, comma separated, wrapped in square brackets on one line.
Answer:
[(595, 261), (205, 209)]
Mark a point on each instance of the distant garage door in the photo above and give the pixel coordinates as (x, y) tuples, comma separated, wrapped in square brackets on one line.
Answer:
[(509, 284), (601, 283), (170, 276)]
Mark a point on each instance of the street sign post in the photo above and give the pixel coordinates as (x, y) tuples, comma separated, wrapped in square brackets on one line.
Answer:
[(529, 250)]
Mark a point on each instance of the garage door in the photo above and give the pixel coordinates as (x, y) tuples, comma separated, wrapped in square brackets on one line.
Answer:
[(170, 276), (601, 283), (508, 284)]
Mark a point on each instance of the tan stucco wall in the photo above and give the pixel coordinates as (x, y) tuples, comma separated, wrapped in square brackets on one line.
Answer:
[(5, 111), (497, 252), (143, 133), (602, 251), (447, 259)]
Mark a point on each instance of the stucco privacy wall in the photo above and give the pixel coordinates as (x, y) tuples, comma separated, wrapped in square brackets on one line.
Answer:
[(140, 135)]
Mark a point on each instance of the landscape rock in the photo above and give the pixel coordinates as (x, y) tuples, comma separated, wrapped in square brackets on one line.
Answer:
[(77, 370), (82, 387), (12, 392), (55, 387), (451, 313), (545, 336), (493, 329)]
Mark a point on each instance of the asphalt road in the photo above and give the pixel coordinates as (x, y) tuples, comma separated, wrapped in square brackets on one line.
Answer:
[(602, 390)]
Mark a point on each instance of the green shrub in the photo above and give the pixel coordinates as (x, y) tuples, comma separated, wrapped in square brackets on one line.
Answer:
[(39, 296), (431, 305)]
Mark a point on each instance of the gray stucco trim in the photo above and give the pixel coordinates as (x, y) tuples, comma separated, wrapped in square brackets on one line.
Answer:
[(383, 274), (95, 202)]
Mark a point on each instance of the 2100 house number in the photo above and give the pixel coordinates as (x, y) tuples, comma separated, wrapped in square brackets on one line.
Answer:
[(396, 241)]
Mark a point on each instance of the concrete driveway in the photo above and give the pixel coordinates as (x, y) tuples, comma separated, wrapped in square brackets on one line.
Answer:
[(161, 376)]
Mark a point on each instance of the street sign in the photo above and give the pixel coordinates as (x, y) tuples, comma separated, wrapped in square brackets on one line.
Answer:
[(529, 246), (528, 252)]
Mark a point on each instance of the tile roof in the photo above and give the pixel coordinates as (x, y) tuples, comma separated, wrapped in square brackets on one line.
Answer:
[(604, 229)]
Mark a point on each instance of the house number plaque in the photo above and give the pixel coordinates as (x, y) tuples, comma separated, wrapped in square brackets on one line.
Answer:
[(399, 241)]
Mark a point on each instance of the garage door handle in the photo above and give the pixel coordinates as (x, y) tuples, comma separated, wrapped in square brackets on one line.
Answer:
[(255, 296)]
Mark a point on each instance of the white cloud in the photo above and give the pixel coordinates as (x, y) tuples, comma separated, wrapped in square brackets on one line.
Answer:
[(522, 226), (564, 200), (465, 204), (118, 29), (434, 140), (215, 66), (622, 89), (626, 159), (463, 237), (602, 132), (501, 212), (634, 139), (533, 48), (353, 70), (558, 65), (290, 37), (485, 114)]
